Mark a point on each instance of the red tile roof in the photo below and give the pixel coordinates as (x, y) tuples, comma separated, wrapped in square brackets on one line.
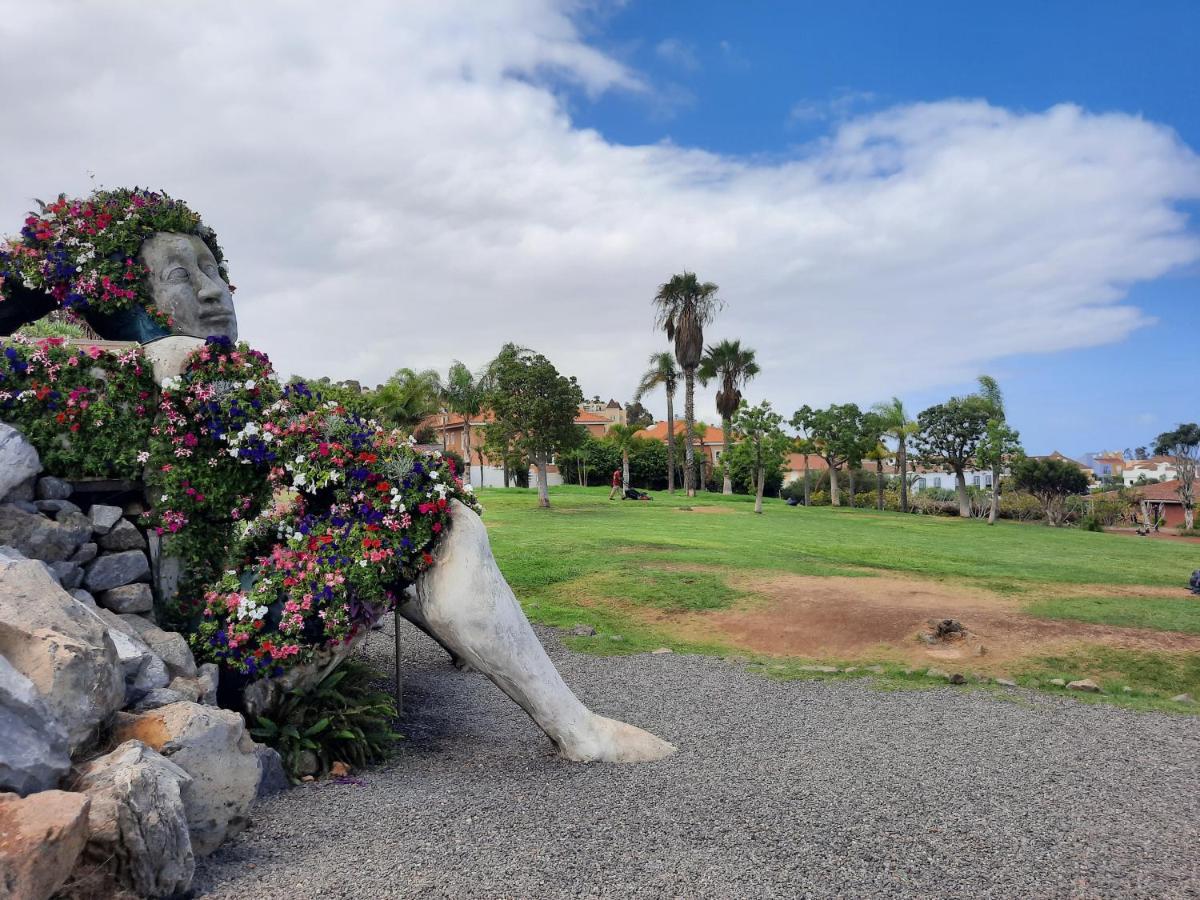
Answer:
[(1165, 491), (658, 432)]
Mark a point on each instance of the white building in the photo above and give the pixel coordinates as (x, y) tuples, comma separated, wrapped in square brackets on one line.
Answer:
[(1156, 468), (924, 479)]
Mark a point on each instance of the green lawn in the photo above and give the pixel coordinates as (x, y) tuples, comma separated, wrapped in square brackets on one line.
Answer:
[(585, 548)]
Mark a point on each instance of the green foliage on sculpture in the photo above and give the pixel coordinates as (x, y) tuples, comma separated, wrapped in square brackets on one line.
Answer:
[(88, 412)]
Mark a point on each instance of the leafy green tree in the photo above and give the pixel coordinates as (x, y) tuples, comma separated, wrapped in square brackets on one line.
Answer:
[(663, 372), (1183, 446), (1051, 481), (684, 305), (805, 445), (762, 442), (409, 397), (464, 393), (899, 427), (836, 434), (733, 365), (870, 430), (534, 408), (999, 442), (637, 415), (625, 438), (949, 435)]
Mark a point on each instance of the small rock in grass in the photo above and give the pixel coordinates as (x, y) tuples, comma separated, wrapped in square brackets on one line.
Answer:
[(1127, 690), (661, 650), (1004, 682), (1183, 698), (878, 670), (850, 669), (582, 631), (1058, 682), (616, 637), (1084, 684)]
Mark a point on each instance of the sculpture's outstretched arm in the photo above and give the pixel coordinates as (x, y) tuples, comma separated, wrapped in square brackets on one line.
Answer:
[(466, 605)]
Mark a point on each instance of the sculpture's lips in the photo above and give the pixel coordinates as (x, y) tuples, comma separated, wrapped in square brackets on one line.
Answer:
[(217, 318)]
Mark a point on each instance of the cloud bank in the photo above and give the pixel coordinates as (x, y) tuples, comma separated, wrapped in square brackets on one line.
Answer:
[(402, 184)]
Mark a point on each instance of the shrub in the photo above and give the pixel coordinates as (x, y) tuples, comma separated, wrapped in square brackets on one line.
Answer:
[(88, 412), (343, 717)]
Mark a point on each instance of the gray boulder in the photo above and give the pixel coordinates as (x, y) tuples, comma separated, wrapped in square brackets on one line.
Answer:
[(19, 461), (104, 517), (53, 507), (158, 697), (170, 646), (128, 598), (213, 746), (84, 597), (22, 493), (85, 554), (272, 778), (37, 537), (138, 826), (51, 488), (68, 574), (116, 569), (209, 677), (123, 536), (33, 753), (57, 643)]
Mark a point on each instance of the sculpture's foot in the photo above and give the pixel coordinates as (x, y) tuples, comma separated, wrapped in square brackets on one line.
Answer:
[(607, 740)]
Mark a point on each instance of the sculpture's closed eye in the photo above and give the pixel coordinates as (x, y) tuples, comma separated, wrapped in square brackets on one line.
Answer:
[(179, 273)]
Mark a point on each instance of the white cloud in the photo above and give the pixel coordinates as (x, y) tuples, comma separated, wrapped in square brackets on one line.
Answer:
[(678, 52), (403, 186)]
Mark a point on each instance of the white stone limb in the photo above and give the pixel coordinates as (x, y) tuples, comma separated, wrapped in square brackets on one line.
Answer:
[(466, 605)]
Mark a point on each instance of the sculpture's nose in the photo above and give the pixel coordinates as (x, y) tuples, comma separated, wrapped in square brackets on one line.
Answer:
[(212, 291)]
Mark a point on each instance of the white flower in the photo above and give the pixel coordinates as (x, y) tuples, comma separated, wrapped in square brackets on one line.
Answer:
[(249, 385), (233, 451), (268, 437), (434, 475), (300, 458), (300, 479)]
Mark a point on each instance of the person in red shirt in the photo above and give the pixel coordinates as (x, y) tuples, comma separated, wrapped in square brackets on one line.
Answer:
[(616, 485)]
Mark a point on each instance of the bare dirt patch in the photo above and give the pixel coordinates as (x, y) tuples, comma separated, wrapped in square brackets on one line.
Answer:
[(708, 510), (883, 617)]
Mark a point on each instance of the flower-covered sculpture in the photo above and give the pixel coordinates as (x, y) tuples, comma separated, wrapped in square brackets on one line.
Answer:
[(131, 262)]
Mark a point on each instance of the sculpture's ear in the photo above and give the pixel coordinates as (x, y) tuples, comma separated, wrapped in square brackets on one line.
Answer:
[(21, 306)]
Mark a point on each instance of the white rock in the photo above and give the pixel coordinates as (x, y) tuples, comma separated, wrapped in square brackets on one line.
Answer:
[(213, 746), (18, 459), (33, 746), (58, 644), (138, 826), (1084, 684)]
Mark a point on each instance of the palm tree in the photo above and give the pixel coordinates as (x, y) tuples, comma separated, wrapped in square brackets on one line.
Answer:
[(464, 394), (408, 397), (896, 424), (625, 438), (663, 371), (684, 306), (734, 365)]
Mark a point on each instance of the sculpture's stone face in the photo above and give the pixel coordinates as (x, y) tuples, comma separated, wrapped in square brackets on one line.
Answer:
[(187, 285)]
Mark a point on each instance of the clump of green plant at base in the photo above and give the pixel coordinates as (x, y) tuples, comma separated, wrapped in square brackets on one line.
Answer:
[(343, 717)]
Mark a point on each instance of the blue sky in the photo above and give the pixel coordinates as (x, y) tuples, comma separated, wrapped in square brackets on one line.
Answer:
[(763, 79)]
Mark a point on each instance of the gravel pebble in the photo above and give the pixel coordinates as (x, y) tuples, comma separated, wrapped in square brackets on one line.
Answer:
[(779, 789)]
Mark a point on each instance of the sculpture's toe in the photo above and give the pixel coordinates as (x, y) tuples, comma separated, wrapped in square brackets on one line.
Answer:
[(613, 741)]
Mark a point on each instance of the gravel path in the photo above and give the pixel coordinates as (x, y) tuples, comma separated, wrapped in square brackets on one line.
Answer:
[(778, 790)]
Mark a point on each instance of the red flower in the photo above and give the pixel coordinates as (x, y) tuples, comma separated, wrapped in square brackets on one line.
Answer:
[(383, 486)]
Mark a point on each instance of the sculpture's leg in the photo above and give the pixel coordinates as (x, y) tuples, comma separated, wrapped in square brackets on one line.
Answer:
[(468, 607), (410, 608)]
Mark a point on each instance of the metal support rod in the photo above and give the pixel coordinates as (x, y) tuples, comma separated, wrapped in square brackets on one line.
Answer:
[(399, 686)]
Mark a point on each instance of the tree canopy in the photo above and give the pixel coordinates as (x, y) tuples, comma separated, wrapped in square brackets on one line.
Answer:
[(1051, 481)]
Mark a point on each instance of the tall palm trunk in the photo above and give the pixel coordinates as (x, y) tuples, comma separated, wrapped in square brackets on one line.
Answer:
[(671, 441), (879, 482), (726, 436), (835, 496), (994, 512), (689, 421), (467, 446), (807, 480), (903, 459)]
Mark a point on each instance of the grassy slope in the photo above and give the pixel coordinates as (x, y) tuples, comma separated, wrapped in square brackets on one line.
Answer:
[(586, 547)]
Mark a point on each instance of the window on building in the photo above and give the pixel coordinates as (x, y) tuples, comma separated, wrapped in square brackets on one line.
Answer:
[(920, 484), (937, 482), (975, 481)]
